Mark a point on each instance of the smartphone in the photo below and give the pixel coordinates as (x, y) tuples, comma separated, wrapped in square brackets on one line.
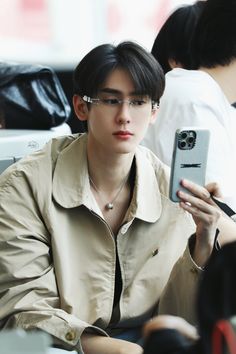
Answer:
[(189, 159)]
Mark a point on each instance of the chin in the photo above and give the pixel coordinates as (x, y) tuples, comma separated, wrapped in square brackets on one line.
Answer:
[(126, 150)]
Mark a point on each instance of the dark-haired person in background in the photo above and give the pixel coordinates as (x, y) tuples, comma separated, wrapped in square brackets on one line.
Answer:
[(172, 46), (88, 235), (204, 97), (216, 300)]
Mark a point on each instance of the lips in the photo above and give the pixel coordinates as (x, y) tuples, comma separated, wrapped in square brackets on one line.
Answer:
[(123, 133)]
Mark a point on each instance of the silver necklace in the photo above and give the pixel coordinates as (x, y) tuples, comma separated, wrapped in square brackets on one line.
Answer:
[(110, 205)]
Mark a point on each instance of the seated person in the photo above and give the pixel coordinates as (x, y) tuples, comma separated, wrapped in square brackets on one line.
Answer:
[(88, 234)]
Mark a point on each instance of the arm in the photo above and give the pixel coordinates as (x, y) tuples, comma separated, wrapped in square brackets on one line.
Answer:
[(179, 295), (207, 216), (93, 344)]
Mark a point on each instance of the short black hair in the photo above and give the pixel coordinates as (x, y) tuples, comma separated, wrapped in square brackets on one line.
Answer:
[(175, 36), (214, 41), (94, 68)]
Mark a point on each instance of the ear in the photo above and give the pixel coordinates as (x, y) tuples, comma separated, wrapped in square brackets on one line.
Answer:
[(80, 107), (153, 116), (174, 64)]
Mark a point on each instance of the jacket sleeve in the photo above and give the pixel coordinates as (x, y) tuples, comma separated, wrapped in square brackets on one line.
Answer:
[(29, 297), (179, 295)]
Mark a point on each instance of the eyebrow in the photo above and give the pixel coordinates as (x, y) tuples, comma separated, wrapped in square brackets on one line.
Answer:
[(117, 92)]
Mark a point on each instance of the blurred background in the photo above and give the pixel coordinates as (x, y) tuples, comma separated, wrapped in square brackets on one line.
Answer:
[(59, 33)]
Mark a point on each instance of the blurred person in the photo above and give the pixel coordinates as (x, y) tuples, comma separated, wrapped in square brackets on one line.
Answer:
[(216, 300), (88, 235), (204, 97), (172, 45)]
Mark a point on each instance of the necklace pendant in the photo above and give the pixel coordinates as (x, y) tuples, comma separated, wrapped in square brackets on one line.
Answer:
[(109, 206)]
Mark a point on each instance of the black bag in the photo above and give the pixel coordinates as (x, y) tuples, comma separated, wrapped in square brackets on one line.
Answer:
[(31, 97)]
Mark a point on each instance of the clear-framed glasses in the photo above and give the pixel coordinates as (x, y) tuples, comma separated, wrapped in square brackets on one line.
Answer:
[(136, 103)]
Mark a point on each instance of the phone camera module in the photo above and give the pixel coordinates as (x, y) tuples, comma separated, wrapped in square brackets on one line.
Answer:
[(187, 140)]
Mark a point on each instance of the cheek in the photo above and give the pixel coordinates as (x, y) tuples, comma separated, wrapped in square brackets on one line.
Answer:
[(142, 126), (143, 122), (99, 126)]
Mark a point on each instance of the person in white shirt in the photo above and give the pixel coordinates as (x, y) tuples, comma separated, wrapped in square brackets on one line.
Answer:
[(204, 97)]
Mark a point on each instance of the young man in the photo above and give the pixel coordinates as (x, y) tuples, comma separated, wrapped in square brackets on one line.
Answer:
[(204, 97), (88, 235)]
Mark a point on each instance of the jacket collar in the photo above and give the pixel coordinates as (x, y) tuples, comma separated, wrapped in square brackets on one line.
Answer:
[(146, 203), (70, 180), (71, 186)]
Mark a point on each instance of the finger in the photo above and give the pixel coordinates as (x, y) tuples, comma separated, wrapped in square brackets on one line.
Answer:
[(207, 213), (196, 204), (198, 196), (209, 193), (201, 202), (196, 189), (214, 189)]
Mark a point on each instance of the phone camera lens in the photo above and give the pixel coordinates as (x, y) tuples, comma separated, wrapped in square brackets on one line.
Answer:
[(182, 144), (183, 135), (190, 139)]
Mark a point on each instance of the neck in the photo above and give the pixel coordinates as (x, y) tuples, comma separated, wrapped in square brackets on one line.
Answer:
[(108, 173), (225, 77)]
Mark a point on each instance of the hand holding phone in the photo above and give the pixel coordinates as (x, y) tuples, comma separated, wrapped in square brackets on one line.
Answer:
[(189, 158)]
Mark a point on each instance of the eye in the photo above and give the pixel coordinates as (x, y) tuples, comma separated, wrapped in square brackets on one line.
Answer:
[(138, 102), (110, 101)]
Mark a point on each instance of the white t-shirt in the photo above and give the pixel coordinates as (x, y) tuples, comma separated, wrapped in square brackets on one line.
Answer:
[(193, 98)]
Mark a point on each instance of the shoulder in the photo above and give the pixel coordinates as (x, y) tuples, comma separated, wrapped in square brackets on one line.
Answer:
[(191, 97), (36, 168), (191, 86)]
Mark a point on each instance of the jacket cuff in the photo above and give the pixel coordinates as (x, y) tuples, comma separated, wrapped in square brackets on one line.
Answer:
[(191, 244)]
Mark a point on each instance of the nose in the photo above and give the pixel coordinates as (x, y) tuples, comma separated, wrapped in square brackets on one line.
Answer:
[(123, 114)]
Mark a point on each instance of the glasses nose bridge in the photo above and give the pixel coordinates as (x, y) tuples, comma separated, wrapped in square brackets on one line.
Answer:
[(124, 114), (123, 101)]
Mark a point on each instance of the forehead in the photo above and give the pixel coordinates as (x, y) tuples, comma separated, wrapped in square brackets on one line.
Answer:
[(119, 80)]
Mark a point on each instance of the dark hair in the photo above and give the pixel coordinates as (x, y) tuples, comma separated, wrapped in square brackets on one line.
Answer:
[(174, 38), (214, 41), (217, 292), (94, 68)]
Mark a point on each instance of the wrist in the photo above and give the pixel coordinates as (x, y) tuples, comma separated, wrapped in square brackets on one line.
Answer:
[(200, 252)]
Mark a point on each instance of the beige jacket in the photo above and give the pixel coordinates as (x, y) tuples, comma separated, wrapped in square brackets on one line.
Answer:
[(58, 255)]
